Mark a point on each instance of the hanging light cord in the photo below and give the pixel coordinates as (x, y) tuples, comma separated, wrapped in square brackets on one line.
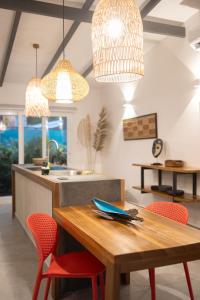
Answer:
[(36, 62), (63, 28)]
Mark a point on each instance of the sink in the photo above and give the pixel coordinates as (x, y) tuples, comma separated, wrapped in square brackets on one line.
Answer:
[(66, 172), (59, 168), (33, 168), (55, 170)]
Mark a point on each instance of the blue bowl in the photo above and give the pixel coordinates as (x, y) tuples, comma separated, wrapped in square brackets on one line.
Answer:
[(108, 208)]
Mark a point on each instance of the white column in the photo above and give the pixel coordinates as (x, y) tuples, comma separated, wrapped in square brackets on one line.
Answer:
[(20, 138), (44, 136)]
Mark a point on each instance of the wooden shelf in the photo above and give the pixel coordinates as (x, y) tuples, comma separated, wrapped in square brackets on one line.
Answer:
[(184, 170), (186, 198)]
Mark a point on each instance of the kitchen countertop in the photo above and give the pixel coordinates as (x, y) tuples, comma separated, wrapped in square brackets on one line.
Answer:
[(54, 178), (72, 178)]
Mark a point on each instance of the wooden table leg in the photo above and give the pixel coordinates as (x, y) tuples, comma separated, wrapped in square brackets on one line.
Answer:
[(55, 289), (13, 194), (125, 278), (112, 282)]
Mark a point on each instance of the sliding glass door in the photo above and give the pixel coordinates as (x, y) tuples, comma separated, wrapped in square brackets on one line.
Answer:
[(8, 150)]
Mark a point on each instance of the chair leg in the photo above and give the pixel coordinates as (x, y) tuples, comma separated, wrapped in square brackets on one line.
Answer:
[(101, 276), (152, 283), (37, 287), (187, 274), (47, 288), (94, 288)]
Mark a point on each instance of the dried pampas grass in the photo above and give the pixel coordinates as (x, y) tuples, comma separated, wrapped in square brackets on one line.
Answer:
[(100, 133), (84, 133)]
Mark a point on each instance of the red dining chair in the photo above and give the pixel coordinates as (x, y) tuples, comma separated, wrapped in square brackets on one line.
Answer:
[(70, 265), (179, 214)]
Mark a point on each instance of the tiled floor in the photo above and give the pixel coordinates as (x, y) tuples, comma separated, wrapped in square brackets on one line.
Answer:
[(18, 268)]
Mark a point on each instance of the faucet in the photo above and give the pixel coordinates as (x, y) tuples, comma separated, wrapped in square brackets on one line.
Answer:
[(48, 148)]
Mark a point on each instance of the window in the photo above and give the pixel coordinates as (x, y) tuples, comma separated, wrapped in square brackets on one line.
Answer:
[(32, 138), (22, 139), (57, 130), (8, 150)]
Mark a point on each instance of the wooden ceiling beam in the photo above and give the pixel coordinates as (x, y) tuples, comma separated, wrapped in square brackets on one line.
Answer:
[(47, 9), (11, 40), (88, 70), (191, 3), (164, 29), (151, 4)]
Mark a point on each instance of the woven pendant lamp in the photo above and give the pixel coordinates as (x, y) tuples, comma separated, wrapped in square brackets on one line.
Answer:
[(117, 41), (36, 104), (64, 84)]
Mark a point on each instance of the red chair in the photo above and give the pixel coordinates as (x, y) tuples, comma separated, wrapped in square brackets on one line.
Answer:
[(179, 214), (70, 265)]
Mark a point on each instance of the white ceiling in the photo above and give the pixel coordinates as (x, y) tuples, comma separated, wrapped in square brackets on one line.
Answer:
[(173, 10), (48, 33)]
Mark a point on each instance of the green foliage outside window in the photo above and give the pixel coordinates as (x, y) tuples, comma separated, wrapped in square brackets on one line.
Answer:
[(33, 149)]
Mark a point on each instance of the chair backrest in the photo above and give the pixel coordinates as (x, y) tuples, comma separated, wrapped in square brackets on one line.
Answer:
[(170, 210), (44, 230)]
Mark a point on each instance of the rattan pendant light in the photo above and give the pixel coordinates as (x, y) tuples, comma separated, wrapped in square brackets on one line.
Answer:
[(117, 41), (64, 84), (36, 104)]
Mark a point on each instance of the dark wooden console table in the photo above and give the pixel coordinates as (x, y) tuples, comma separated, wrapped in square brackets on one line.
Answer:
[(187, 198)]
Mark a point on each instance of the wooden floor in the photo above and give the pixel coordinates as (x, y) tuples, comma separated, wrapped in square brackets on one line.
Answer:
[(18, 268)]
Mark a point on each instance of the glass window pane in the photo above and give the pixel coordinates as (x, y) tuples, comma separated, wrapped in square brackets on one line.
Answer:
[(8, 151), (57, 130), (32, 138)]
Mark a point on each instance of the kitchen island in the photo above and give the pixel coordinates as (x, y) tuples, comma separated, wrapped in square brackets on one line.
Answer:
[(33, 192)]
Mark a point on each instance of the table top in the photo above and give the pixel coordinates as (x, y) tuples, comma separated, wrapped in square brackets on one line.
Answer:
[(155, 238), (185, 170)]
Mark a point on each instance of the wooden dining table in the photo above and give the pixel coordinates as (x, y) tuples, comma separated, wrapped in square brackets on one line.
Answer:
[(123, 248)]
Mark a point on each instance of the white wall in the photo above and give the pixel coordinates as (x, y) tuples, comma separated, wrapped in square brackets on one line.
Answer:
[(167, 88), (92, 106), (12, 93)]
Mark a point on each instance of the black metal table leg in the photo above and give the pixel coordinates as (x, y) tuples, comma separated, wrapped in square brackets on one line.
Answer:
[(194, 184), (159, 177), (174, 181), (142, 178)]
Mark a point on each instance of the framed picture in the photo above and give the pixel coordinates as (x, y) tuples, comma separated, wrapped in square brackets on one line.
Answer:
[(143, 127)]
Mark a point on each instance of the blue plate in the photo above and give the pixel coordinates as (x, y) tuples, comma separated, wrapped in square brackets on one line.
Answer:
[(108, 208)]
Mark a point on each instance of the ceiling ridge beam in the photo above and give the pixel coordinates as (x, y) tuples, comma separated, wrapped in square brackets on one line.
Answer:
[(47, 9), (11, 41), (164, 29), (67, 38), (191, 3)]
